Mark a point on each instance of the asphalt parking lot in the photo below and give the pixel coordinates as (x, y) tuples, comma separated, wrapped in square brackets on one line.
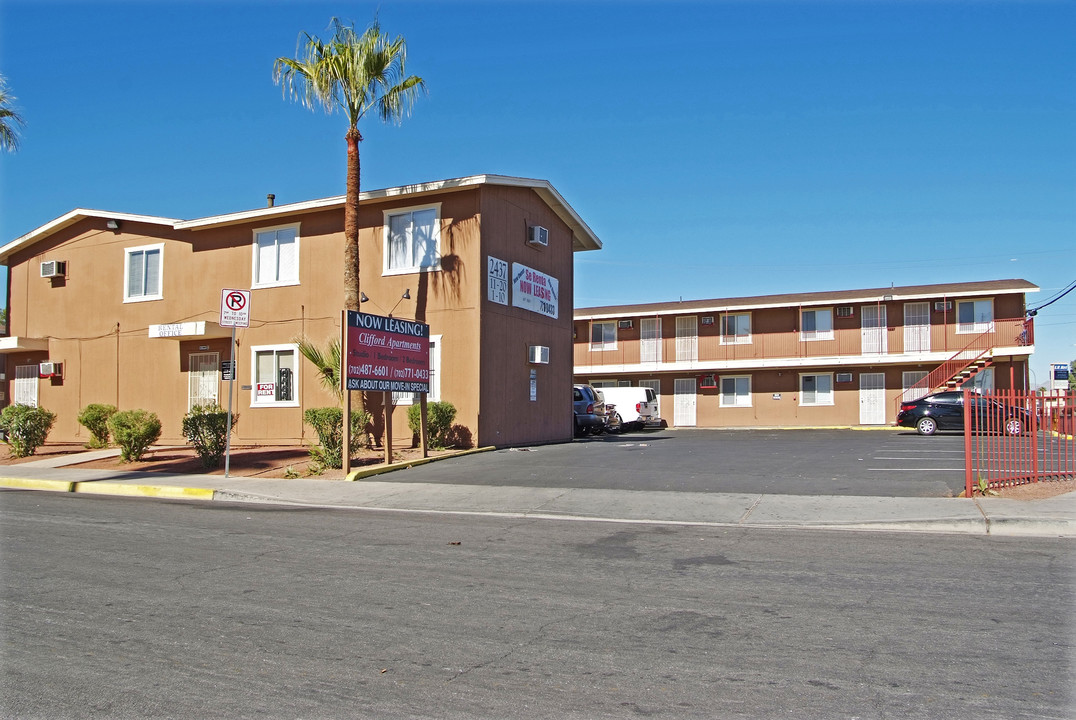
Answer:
[(884, 462)]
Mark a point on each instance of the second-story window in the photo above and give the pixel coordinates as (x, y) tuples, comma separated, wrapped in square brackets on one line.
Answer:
[(603, 335), (736, 329), (975, 316), (276, 256), (412, 240), (142, 273), (816, 325)]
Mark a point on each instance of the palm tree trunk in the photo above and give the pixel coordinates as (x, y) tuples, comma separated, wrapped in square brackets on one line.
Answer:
[(351, 222)]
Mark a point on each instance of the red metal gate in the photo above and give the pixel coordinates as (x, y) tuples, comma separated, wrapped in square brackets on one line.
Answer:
[(1013, 438)]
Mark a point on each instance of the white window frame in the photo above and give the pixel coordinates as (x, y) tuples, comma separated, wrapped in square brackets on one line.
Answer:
[(146, 296), (275, 349), (387, 216), (599, 384), (827, 399), (816, 334), (255, 279), (976, 326), (739, 400), (434, 395), (603, 344), (736, 337)]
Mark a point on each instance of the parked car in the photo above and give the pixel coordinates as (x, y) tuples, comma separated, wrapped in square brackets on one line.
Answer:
[(634, 407), (945, 411), (589, 410)]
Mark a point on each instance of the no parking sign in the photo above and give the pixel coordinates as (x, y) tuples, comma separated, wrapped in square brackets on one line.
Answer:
[(235, 308)]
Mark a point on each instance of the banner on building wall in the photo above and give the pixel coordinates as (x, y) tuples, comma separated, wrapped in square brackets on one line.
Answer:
[(387, 354), (535, 291)]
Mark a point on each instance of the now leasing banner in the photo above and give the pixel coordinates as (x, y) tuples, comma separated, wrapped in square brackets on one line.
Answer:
[(386, 354), (535, 291)]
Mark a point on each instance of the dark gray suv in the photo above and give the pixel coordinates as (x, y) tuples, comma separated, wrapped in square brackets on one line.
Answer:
[(589, 410)]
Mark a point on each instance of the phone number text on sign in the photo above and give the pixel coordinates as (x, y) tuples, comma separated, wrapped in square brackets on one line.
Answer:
[(535, 291), (386, 354)]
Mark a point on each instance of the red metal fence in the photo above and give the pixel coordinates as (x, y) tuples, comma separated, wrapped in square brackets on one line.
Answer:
[(1014, 438)]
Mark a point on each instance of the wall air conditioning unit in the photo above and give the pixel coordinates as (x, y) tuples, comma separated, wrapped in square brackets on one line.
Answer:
[(707, 319), (943, 306), (623, 324), (53, 268), (844, 311), (50, 369), (539, 354), (844, 377), (537, 236), (708, 381)]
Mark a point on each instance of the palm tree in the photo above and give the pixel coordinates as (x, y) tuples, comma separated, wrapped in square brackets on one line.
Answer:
[(326, 361), (10, 120), (354, 73)]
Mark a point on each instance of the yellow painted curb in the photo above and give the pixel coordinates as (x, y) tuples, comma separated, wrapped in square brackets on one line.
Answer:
[(162, 491), (36, 484), (379, 469)]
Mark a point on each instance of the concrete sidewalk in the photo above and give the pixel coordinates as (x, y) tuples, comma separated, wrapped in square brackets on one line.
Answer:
[(981, 516)]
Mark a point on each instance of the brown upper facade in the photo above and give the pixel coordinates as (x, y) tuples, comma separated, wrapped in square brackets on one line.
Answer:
[(126, 307)]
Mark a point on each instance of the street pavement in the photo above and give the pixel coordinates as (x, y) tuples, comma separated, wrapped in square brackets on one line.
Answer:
[(368, 490)]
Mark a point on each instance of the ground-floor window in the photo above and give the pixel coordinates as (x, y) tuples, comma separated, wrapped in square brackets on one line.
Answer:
[(982, 381), (24, 391), (908, 379), (736, 391), (816, 389), (275, 369)]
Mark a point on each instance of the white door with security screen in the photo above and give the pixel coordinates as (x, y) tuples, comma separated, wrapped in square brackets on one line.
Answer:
[(649, 340), (872, 398), (204, 383), (684, 402), (916, 327), (873, 329)]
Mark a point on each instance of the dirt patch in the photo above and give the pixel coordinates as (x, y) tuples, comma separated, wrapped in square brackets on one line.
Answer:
[(1037, 490), (263, 461)]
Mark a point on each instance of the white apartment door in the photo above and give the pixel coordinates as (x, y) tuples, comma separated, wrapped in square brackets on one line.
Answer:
[(204, 383), (687, 340), (684, 402), (24, 391), (873, 329), (872, 398), (917, 327), (654, 385), (650, 340)]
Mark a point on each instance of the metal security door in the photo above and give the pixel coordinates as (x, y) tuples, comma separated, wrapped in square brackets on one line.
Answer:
[(204, 383), (650, 340), (24, 392), (687, 340), (684, 402), (873, 329), (872, 398), (917, 327)]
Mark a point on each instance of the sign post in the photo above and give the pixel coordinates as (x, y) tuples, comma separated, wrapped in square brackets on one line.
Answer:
[(385, 354), (234, 312)]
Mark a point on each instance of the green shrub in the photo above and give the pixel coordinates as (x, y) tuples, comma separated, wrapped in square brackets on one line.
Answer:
[(94, 417), (439, 417), (328, 424), (206, 427), (134, 431), (25, 428)]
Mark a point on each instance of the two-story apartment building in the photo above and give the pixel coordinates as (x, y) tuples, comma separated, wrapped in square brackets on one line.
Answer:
[(809, 359), (124, 309)]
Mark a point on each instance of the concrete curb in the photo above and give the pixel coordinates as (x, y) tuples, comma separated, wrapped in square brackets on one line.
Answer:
[(36, 484), (380, 469), (97, 487)]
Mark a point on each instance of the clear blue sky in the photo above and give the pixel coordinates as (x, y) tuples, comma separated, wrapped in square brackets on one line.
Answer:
[(716, 148)]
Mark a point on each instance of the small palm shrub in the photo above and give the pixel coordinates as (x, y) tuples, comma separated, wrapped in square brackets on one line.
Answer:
[(94, 417), (328, 424), (134, 431), (206, 427), (25, 428), (439, 417)]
